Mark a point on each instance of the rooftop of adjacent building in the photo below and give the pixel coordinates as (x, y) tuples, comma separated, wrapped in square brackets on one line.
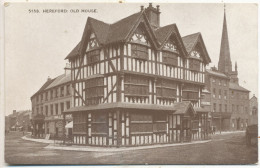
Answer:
[(22, 112), (235, 86), (57, 81)]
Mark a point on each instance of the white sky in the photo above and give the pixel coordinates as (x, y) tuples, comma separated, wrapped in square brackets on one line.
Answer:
[(36, 44)]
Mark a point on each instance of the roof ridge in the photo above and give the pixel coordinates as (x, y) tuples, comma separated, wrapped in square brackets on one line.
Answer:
[(91, 18), (198, 33), (126, 17)]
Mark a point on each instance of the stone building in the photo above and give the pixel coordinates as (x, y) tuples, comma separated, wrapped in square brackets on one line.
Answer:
[(48, 104), (229, 101), (137, 83)]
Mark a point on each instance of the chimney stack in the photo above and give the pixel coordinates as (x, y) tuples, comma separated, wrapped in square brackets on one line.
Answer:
[(14, 111), (142, 8), (49, 78), (153, 15), (67, 69)]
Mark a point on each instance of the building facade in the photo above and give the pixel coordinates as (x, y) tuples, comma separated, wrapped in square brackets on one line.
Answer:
[(136, 83), (229, 101), (253, 111), (18, 121), (48, 105)]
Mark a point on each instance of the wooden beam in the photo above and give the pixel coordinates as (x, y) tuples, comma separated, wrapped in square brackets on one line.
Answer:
[(109, 93), (80, 96)]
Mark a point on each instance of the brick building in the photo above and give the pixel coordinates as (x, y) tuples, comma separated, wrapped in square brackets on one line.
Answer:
[(136, 83), (253, 110), (48, 104), (229, 101)]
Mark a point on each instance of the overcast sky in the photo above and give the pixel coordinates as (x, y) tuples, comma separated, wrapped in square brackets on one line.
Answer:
[(37, 43)]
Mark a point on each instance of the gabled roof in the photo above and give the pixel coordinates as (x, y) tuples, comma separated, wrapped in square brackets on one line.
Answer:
[(101, 29), (183, 107), (106, 33), (119, 30), (164, 33), (217, 73), (74, 52), (235, 86), (190, 42)]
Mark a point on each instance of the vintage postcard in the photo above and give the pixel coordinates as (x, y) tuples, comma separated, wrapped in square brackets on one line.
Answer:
[(150, 83)]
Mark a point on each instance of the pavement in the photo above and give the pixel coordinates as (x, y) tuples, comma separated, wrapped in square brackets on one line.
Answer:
[(59, 146), (47, 141), (114, 149)]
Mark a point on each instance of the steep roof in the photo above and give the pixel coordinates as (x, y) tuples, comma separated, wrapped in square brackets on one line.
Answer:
[(235, 86), (162, 32), (190, 41), (107, 33), (216, 73), (119, 30), (74, 52), (101, 29)]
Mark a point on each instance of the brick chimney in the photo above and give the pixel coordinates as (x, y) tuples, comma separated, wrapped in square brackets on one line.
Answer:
[(67, 69), (153, 15), (49, 78), (14, 111)]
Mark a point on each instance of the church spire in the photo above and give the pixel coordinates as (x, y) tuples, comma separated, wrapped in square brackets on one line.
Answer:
[(224, 63)]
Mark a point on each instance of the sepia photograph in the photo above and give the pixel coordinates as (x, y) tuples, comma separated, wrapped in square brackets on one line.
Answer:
[(151, 83)]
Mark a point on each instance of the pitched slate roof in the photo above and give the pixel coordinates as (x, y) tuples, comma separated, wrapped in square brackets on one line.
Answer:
[(190, 41), (235, 86), (108, 33), (162, 32), (216, 73), (101, 29), (62, 79), (44, 86), (74, 52), (119, 30)]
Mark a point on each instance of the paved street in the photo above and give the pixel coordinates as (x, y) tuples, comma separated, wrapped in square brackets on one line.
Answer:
[(223, 149)]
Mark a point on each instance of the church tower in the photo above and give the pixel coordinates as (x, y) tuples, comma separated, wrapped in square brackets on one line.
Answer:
[(224, 63)]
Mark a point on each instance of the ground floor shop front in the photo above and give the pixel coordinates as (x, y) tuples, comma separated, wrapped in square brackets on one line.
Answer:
[(133, 125), (228, 121), (52, 127)]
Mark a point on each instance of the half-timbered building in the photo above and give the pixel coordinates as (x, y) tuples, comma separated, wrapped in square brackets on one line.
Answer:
[(136, 83)]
